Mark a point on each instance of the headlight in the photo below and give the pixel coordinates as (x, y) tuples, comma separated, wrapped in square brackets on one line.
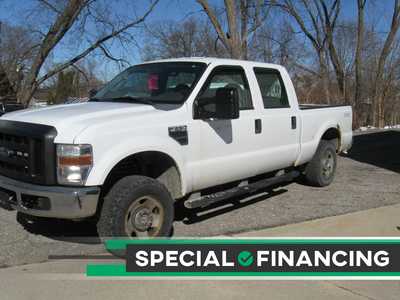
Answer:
[(74, 163)]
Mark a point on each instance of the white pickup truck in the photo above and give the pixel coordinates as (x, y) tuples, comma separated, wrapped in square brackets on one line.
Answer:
[(193, 129)]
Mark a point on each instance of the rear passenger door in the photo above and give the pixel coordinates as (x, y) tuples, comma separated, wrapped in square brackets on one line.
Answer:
[(280, 128)]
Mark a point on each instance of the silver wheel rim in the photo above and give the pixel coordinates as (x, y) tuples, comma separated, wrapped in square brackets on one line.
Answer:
[(144, 217), (328, 164)]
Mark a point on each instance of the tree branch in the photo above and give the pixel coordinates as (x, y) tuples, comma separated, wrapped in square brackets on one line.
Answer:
[(81, 71), (292, 11), (109, 56), (56, 32), (95, 45), (51, 6), (214, 20)]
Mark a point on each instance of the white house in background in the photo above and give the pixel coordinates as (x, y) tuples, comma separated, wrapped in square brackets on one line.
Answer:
[(71, 100), (37, 103)]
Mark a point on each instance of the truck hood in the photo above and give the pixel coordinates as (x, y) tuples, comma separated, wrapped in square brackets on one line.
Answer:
[(71, 119)]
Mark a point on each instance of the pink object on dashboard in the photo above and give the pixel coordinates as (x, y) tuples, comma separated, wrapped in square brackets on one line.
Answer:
[(152, 82)]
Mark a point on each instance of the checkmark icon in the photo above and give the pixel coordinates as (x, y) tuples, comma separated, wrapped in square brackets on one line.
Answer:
[(245, 258)]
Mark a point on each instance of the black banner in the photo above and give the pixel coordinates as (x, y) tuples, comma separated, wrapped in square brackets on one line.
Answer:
[(243, 257)]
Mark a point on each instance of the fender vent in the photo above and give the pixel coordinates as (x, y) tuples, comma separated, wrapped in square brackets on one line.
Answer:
[(179, 133)]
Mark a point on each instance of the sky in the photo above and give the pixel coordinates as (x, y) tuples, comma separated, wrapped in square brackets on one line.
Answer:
[(16, 12), (19, 12)]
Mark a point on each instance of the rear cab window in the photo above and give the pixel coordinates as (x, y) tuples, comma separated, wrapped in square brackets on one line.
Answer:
[(272, 88)]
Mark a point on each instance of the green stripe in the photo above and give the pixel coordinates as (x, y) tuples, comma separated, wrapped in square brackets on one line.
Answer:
[(120, 270), (121, 244)]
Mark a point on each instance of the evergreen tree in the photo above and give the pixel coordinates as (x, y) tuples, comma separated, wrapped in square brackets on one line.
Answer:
[(6, 90)]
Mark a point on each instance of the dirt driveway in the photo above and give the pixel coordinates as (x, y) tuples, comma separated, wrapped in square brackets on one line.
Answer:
[(368, 177)]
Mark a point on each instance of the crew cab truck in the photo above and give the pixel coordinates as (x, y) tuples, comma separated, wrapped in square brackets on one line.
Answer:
[(166, 131)]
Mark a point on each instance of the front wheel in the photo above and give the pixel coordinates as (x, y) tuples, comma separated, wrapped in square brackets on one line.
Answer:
[(320, 171), (136, 206)]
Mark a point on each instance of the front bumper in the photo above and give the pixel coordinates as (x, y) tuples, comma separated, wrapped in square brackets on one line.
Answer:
[(49, 201)]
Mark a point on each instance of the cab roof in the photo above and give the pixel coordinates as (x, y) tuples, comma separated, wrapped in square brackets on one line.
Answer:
[(218, 61)]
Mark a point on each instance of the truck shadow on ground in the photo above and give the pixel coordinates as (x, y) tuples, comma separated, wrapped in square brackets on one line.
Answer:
[(380, 149), (85, 232)]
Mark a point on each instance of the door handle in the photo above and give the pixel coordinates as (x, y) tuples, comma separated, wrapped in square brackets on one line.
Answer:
[(257, 126), (294, 122)]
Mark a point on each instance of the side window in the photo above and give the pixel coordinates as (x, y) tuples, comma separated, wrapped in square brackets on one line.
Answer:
[(231, 78), (272, 88)]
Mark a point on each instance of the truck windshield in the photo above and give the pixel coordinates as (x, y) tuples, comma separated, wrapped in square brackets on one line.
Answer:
[(167, 82)]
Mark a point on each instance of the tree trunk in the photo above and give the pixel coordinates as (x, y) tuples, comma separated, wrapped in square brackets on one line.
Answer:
[(56, 32), (243, 30), (330, 17), (62, 24), (358, 63), (235, 40), (6, 90), (234, 37), (381, 112), (378, 99), (324, 77)]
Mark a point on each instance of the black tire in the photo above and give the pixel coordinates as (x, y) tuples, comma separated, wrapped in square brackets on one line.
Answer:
[(318, 171), (121, 197)]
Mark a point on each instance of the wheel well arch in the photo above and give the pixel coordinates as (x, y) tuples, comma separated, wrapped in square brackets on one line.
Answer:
[(333, 133), (154, 164)]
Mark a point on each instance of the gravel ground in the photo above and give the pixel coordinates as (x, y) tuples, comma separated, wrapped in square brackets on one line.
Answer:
[(367, 177)]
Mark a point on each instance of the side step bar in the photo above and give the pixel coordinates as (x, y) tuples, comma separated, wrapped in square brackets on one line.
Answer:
[(239, 190)]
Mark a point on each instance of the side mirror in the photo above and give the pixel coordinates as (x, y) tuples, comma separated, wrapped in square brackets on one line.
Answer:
[(225, 105), (92, 93)]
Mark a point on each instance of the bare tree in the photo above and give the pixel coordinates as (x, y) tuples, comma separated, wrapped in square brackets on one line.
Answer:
[(304, 13), (330, 15), (56, 32), (278, 43), (18, 46), (358, 59), (5, 86), (66, 16), (378, 86), (243, 18), (181, 39), (6, 89)]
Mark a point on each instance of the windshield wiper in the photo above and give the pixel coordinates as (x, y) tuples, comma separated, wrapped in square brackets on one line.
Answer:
[(133, 99)]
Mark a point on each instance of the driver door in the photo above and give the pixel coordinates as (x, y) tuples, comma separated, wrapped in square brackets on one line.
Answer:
[(224, 148)]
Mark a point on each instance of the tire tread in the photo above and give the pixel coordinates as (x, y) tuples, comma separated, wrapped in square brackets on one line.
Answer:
[(312, 172), (119, 196)]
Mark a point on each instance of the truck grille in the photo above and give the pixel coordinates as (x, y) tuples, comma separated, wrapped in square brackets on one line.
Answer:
[(27, 152), (19, 156)]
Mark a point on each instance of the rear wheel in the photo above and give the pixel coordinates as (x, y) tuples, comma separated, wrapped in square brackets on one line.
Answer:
[(320, 171), (136, 207)]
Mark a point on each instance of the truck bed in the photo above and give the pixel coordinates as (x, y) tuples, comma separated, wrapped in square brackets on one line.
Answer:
[(315, 119), (316, 106)]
